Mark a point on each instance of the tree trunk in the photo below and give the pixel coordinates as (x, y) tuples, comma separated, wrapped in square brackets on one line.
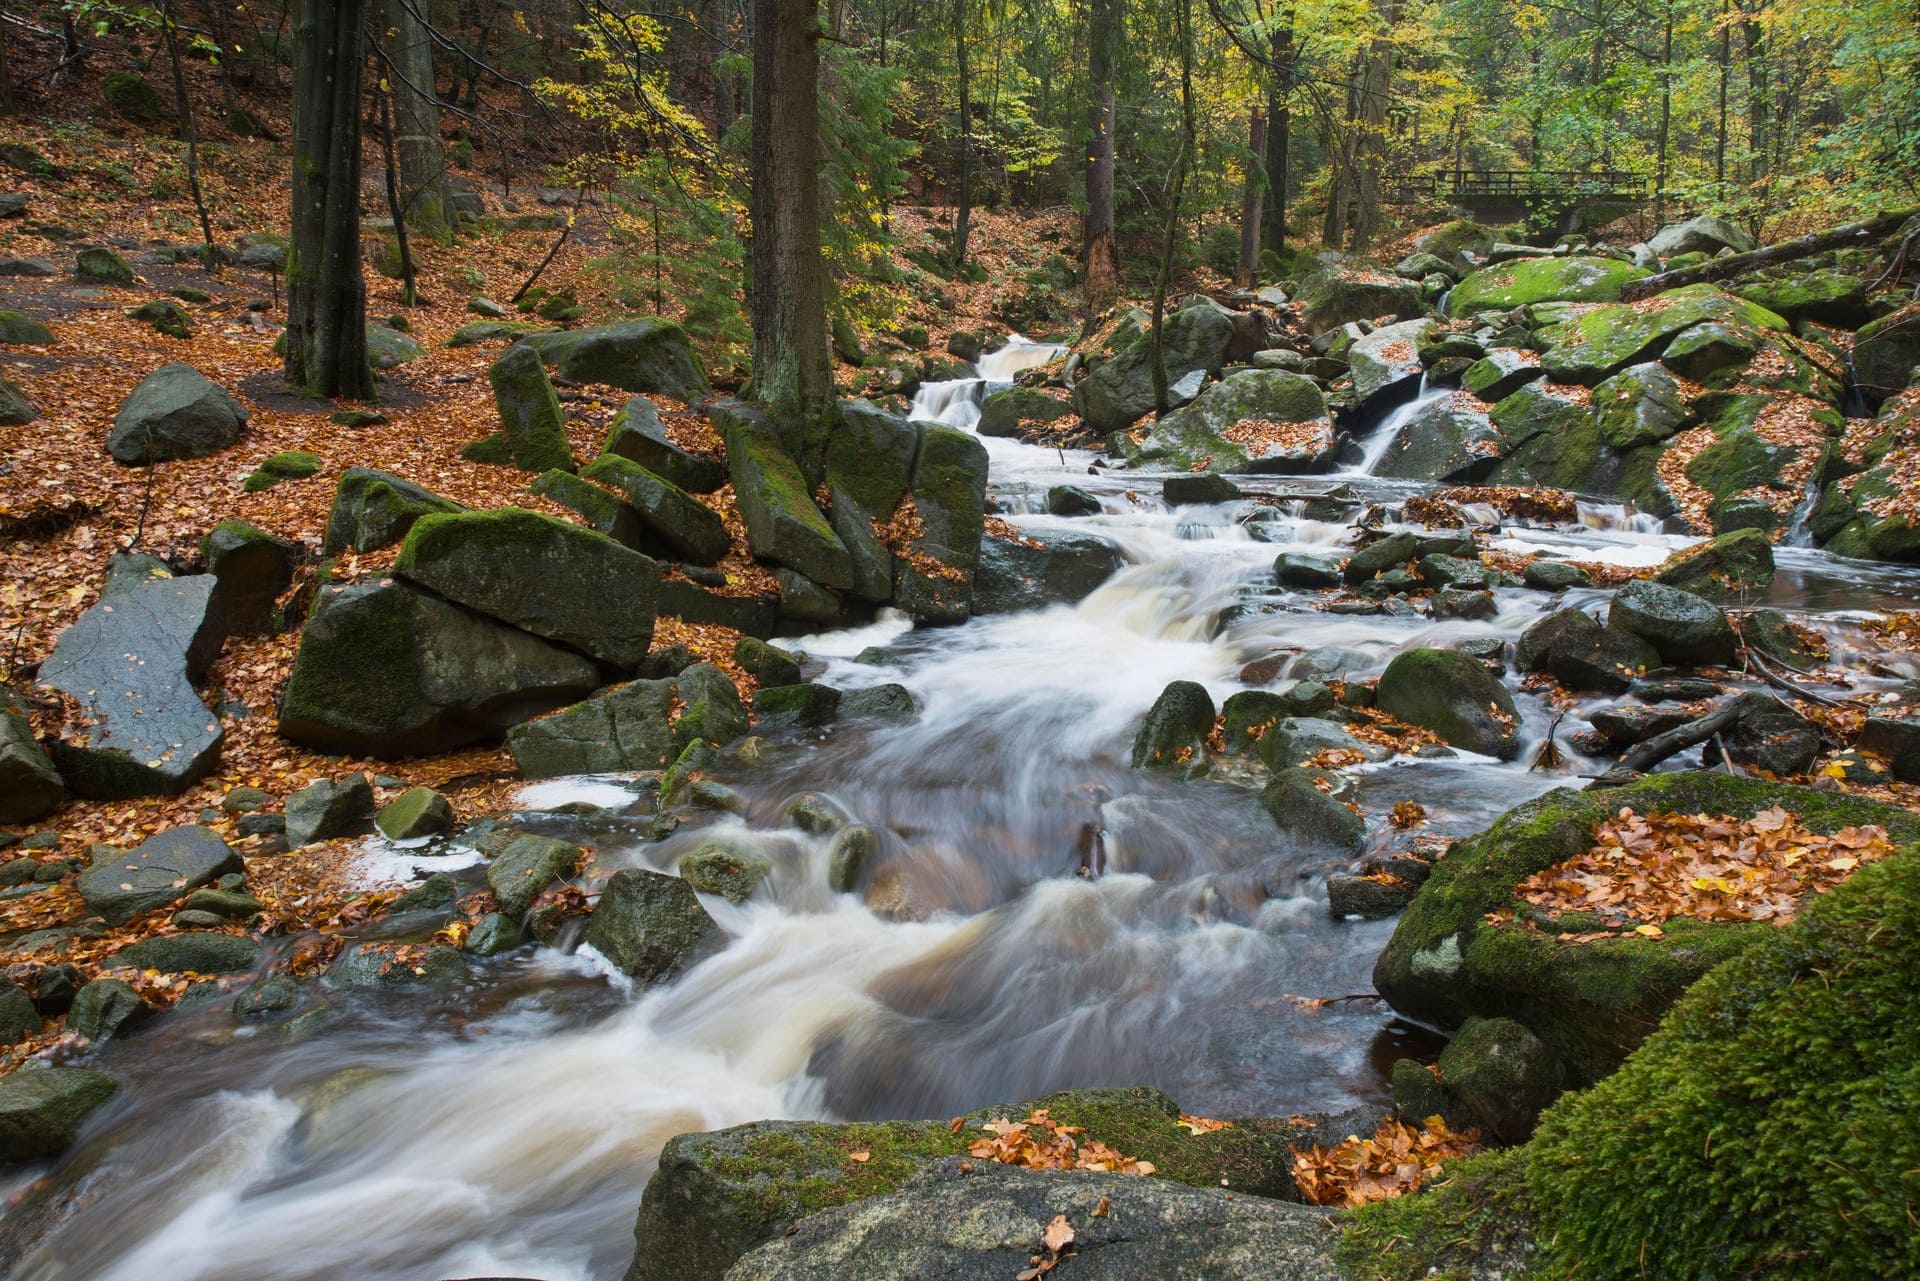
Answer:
[(326, 293), (1097, 245), (724, 109), (1341, 154), (425, 192), (1725, 59), (184, 105), (791, 368), (6, 76), (1189, 138), (1759, 115), (1279, 131), (1250, 199), (1370, 143), (409, 290), (1666, 117), (964, 215)]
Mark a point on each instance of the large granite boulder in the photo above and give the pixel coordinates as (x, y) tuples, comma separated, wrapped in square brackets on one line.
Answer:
[(175, 412), (163, 869), (375, 509), (1174, 734), (640, 726), (570, 585), (1041, 568), (603, 511), (776, 506), (252, 568), (1454, 695), (643, 354), (1726, 567), (1684, 628), (1386, 364), (1119, 389), (1008, 411), (1256, 420), (43, 1108), (650, 926), (1466, 947), (869, 469), (1601, 342), (1524, 281), (385, 669), (1701, 234), (1336, 296), (1639, 405), (980, 1221), (15, 328), (15, 409), (131, 661), (530, 414), (1824, 297), (688, 528), (637, 435), (933, 574), (1885, 354), (1451, 438), (30, 786)]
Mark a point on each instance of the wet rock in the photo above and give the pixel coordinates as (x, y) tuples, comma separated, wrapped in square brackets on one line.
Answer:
[(983, 1223), (767, 664), (1174, 736), (635, 727), (375, 509), (105, 1008), (1071, 500), (1624, 726), (783, 525), (1294, 740), (43, 1108), (1896, 740), (494, 934), (1776, 739), (804, 600), (525, 866), (934, 576), (1382, 555), (687, 527), (650, 926), (1500, 373), (1386, 364), (326, 808), (1605, 660), (192, 953), (1702, 234), (730, 869), (1307, 815), (252, 568), (1558, 629), (1639, 405), (638, 435), (1292, 430), (1012, 411), (1555, 576), (1502, 1075), (1727, 566), (530, 414), (1525, 281), (443, 677), (175, 412), (1119, 389), (894, 703), (270, 996), (19, 1019), (1605, 340), (1682, 627), (1453, 695), (870, 462), (373, 967), (1305, 569), (1454, 571), (1450, 439), (131, 661), (642, 355), (1352, 897), (854, 848), (1458, 602), (805, 704), (1063, 568), (1592, 1002), (556, 580), (229, 905), (1200, 489), (416, 812), (30, 786)]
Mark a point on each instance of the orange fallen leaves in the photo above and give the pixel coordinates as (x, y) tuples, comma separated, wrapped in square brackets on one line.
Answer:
[(1408, 814), (1202, 1124), (1397, 1159), (1716, 868), (1042, 1143)]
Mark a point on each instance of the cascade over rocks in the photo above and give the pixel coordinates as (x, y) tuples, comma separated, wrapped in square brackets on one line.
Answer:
[(1065, 568), (387, 670), (1386, 364)]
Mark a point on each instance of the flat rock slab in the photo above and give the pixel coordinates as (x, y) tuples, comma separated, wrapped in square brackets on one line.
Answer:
[(981, 1221), (131, 661), (160, 870)]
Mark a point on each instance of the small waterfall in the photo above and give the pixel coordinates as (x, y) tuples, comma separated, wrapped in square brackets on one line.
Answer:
[(956, 401), (1391, 427)]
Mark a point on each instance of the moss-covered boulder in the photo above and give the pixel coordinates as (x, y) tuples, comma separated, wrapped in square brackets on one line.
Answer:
[(870, 461), (1501, 372), (1449, 240), (602, 510), (1607, 339), (718, 1195), (1639, 405), (288, 464), (1825, 297), (165, 316), (175, 412), (416, 812), (645, 354), (1592, 999), (933, 574), (1450, 439), (1010, 411), (374, 509), (100, 266), (1683, 627), (1174, 735), (388, 348), (1118, 390), (17, 330), (1306, 813), (1725, 567), (486, 331), (638, 435), (15, 409), (1385, 363), (688, 529), (570, 585), (530, 414), (641, 725), (133, 99), (650, 926), (522, 869), (43, 1108), (1524, 281), (1454, 695), (1885, 354), (387, 670), (30, 786), (1257, 420), (776, 505), (1336, 296)]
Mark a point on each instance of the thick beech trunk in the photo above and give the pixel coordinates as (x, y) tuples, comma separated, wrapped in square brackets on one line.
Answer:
[(425, 193)]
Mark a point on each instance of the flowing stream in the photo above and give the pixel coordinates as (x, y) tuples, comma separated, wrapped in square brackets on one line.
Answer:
[(1045, 918)]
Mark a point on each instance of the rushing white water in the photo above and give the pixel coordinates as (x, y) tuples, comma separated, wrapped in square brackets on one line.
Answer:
[(1382, 439), (1039, 917)]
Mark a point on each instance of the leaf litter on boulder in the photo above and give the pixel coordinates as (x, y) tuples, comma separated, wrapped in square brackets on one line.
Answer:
[(1396, 1159)]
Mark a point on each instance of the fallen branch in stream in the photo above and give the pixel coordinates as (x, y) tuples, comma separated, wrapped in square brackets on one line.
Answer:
[(1763, 668), (1644, 756), (1786, 251)]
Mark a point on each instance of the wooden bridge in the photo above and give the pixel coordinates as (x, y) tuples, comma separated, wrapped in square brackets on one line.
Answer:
[(1498, 196)]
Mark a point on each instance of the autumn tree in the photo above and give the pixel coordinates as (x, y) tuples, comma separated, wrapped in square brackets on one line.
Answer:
[(326, 338)]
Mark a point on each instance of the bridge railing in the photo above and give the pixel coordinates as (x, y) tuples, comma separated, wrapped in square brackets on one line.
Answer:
[(1523, 185)]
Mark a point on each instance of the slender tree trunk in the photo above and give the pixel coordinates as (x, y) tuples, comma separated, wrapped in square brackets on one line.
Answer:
[(1250, 199), (409, 293), (6, 75), (963, 217), (1183, 22), (1097, 245), (1342, 153), (1725, 59), (1279, 131), (717, 49), (183, 103), (426, 193), (1666, 117), (1759, 105), (326, 292), (792, 371), (1370, 146)]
